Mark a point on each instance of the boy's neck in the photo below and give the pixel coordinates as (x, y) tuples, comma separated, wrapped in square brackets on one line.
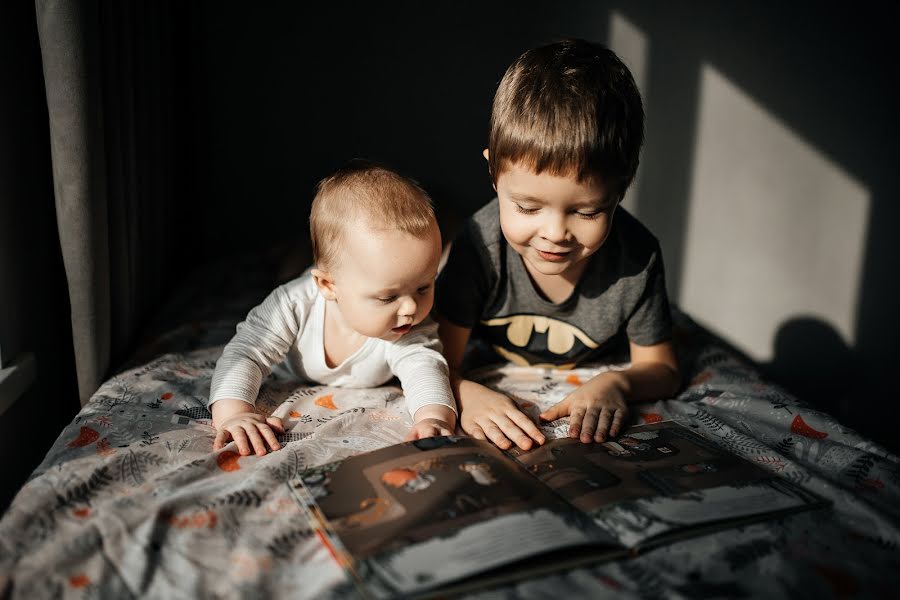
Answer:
[(556, 288)]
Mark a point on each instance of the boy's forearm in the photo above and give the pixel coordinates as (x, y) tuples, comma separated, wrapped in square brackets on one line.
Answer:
[(643, 381)]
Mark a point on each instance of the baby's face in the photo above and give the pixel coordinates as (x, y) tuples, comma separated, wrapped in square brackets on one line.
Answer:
[(555, 223), (384, 283)]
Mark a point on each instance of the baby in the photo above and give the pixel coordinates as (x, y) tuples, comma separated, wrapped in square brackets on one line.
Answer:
[(356, 319)]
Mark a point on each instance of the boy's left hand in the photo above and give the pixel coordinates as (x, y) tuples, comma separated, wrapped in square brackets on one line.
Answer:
[(594, 409)]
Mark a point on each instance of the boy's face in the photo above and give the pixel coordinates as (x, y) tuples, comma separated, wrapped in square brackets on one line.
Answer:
[(384, 282), (555, 223)]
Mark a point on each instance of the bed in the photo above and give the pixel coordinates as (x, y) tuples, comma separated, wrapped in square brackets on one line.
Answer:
[(130, 501)]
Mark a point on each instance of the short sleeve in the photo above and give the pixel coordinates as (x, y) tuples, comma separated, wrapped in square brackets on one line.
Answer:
[(464, 284), (651, 321)]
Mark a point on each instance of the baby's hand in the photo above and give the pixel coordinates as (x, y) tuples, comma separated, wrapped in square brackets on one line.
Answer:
[(237, 420), (596, 407), (427, 428), (432, 420)]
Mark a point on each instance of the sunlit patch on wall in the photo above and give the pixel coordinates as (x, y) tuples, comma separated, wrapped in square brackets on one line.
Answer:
[(775, 228), (630, 43)]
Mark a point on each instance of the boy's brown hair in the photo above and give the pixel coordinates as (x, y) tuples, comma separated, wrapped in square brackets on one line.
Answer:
[(571, 107), (374, 194)]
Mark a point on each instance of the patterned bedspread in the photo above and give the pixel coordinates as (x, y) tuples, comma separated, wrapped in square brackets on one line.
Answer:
[(131, 500)]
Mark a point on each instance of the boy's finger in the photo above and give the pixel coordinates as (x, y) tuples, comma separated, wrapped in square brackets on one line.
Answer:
[(276, 423), (554, 412), (494, 434), (603, 427), (412, 435), (241, 440), (617, 422), (258, 444), (270, 437), (589, 425), (575, 422), (528, 426), (513, 433), (477, 432)]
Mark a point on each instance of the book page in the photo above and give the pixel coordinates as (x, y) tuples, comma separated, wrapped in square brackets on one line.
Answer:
[(657, 478), (418, 514)]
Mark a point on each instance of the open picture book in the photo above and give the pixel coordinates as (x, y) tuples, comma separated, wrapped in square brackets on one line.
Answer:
[(449, 514)]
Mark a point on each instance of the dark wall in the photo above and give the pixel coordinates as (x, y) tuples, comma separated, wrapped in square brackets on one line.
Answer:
[(283, 94), (33, 297)]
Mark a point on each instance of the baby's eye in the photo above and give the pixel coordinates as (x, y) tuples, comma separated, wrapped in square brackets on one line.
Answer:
[(424, 289), (589, 214), (387, 299), (525, 211)]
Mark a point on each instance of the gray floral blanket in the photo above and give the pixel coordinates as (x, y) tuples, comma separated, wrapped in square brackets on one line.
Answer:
[(131, 501)]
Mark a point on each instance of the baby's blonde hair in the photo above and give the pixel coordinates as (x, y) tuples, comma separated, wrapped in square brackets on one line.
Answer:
[(363, 191)]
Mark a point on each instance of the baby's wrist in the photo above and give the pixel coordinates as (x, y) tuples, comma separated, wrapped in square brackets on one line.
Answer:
[(439, 412)]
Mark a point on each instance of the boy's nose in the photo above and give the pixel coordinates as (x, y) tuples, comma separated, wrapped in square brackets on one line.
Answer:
[(554, 230)]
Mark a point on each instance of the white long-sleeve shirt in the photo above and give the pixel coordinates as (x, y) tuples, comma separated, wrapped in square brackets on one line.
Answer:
[(288, 326)]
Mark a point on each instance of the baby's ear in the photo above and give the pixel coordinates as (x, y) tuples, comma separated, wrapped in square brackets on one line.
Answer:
[(324, 282)]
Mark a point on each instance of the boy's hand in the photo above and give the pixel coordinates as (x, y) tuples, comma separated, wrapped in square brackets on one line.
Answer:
[(237, 420), (487, 414), (432, 420), (596, 407)]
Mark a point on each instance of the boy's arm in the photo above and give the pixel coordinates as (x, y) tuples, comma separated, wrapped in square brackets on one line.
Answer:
[(483, 413)]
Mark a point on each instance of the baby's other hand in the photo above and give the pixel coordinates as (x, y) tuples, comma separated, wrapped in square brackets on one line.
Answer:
[(594, 409), (427, 428), (246, 427)]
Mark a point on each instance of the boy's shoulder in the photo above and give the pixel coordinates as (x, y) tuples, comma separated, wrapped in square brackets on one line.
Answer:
[(483, 227), (633, 237)]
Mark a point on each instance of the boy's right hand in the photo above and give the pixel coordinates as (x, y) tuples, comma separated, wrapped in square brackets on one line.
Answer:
[(237, 420), (486, 414)]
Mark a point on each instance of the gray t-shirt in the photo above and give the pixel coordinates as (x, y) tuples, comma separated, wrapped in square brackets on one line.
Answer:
[(621, 296)]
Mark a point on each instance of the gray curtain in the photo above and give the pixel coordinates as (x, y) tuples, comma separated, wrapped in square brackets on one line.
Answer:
[(109, 75)]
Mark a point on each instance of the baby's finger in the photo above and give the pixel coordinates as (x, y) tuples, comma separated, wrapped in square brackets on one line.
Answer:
[(258, 444), (575, 420), (221, 438), (589, 425), (275, 423), (527, 425), (412, 435), (240, 438), (617, 422), (560, 409), (494, 434), (270, 437), (603, 426)]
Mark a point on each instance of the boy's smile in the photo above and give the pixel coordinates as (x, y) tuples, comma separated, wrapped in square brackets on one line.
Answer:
[(554, 222)]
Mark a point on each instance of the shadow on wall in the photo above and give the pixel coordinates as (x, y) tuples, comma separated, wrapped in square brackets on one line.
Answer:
[(768, 176), (814, 363)]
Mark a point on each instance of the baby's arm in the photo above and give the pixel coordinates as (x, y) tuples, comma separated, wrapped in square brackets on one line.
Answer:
[(601, 403), (484, 413), (422, 369), (261, 341)]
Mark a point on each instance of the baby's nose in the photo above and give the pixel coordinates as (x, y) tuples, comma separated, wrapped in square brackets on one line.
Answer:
[(407, 307)]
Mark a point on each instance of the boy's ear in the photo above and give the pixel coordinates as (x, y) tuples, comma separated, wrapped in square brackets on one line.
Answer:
[(324, 282), (487, 156)]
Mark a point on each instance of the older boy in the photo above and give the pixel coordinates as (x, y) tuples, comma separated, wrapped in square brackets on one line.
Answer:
[(355, 320), (544, 274)]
